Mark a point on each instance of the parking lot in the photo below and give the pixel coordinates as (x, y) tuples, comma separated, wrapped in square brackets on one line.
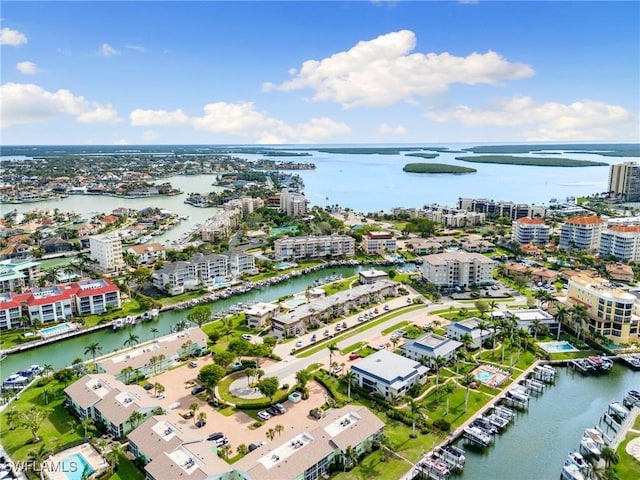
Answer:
[(237, 426)]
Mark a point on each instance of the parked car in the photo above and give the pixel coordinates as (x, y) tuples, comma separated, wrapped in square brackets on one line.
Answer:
[(313, 337), (353, 356), (326, 333), (193, 364), (264, 415), (280, 408), (272, 410), (198, 389), (298, 343), (201, 423), (148, 386), (246, 336), (160, 396), (386, 308), (215, 436), (337, 369)]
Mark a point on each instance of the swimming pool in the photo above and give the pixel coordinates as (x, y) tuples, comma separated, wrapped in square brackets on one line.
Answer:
[(286, 265), (558, 347), (56, 329), (76, 467), (484, 376), (295, 302)]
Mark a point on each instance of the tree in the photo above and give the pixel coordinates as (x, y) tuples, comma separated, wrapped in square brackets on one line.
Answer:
[(482, 307), (467, 341), (31, 420), (158, 388), (113, 456), (225, 451), (135, 418), (250, 372), (154, 330), (132, 341), (609, 455), (349, 457), (125, 372), (270, 343), (210, 375), (193, 408), (483, 326), (47, 369), (202, 418), (242, 449), (416, 409), (438, 363), (536, 326), (268, 386), (384, 443), (332, 348), (199, 314), (279, 428), (93, 349), (302, 377), (224, 358), (562, 312), (271, 434), (86, 423), (348, 377)]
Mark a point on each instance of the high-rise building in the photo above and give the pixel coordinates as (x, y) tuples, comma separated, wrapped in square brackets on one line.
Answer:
[(624, 181), (621, 242), (582, 233), (293, 203), (530, 230), (106, 250)]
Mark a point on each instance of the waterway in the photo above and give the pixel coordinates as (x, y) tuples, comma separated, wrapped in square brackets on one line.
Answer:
[(63, 353), (536, 445)]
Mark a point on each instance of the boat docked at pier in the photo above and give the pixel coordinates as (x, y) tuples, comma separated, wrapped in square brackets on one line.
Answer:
[(118, 323), (453, 456), (433, 468), (579, 461), (477, 436), (632, 360), (582, 365), (617, 409), (571, 472), (600, 363), (631, 399)]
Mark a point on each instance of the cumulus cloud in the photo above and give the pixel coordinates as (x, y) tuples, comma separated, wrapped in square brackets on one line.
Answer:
[(107, 50), (25, 103), (142, 118), (385, 129), (243, 120), (585, 119), (12, 37), (28, 68), (383, 71)]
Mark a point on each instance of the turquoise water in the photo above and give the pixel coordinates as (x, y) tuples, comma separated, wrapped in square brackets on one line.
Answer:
[(285, 265), (76, 467), (295, 302), (484, 376), (557, 347), (63, 327)]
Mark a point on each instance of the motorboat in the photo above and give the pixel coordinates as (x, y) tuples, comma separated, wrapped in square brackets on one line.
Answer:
[(588, 446), (477, 436), (571, 472), (631, 399), (579, 461), (118, 323), (618, 409)]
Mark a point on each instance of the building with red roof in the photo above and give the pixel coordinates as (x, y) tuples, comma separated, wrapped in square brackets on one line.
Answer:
[(582, 233), (530, 230), (621, 242)]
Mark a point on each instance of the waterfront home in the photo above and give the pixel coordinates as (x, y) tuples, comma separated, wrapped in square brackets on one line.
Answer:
[(260, 314), (470, 326), (529, 318), (16, 274), (152, 358), (56, 245), (221, 225), (176, 278), (458, 269), (378, 243), (109, 401), (429, 347), (325, 309), (366, 277), (148, 254), (240, 263), (312, 246), (388, 374)]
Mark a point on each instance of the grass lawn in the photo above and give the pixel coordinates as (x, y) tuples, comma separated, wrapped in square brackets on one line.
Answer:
[(127, 471), (352, 348), (395, 327), (130, 307), (55, 263), (181, 298), (339, 286), (223, 389), (628, 467), (12, 338), (452, 411), (58, 429)]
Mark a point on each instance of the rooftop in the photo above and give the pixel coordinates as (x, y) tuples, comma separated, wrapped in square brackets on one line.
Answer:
[(585, 220)]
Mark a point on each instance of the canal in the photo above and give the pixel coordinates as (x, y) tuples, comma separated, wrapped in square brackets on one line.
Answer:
[(63, 353), (536, 445)]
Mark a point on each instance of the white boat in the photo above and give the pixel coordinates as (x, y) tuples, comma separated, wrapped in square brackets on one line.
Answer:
[(117, 323), (618, 409), (588, 446), (519, 395), (596, 436), (478, 436), (579, 461), (571, 472)]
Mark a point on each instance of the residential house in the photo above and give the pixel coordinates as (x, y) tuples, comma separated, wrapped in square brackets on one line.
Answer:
[(56, 245), (620, 272), (148, 253), (429, 347), (531, 318)]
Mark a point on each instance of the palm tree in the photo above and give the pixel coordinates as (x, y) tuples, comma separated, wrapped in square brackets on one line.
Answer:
[(193, 408), (332, 348), (225, 451), (113, 456), (416, 409), (467, 341), (37, 457), (438, 363), (279, 429), (483, 326), (395, 341), (47, 369), (135, 418), (349, 457), (126, 371), (93, 349), (609, 455), (468, 379), (271, 434), (536, 325), (578, 315), (132, 341), (202, 417), (348, 377), (86, 423), (242, 449)]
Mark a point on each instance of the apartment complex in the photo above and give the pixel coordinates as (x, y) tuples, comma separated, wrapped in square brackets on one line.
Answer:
[(17, 274), (244, 204), (530, 230), (451, 217), (148, 254), (458, 269), (624, 181), (324, 246), (379, 243), (293, 203), (106, 250), (429, 347), (501, 208), (621, 242), (221, 225), (582, 233), (611, 311), (58, 302)]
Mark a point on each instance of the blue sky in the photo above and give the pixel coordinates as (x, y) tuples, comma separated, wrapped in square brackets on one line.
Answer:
[(319, 72)]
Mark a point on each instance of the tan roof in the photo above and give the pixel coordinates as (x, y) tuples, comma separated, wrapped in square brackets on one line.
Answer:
[(190, 461), (118, 405), (90, 389), (147, 247), (163, 433), (531, 220), (625, 228), (588, 220)]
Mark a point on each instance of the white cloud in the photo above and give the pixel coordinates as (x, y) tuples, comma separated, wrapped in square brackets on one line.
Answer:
[(137, 48), (107, 50), (142, 118), (28, 68), (382, 71), (25, 103), (243, 120), (12, 37), (581, 120), (385, 129)]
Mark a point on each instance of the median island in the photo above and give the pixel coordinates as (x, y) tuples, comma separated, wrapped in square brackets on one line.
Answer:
[(436, 168), (532, 161)]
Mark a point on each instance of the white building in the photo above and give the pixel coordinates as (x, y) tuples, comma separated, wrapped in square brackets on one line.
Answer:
[(148, 253), (458, 269), (260, 314), (239, 263), (293, 203), (470, 326), (621, 242), (582, 233), (530, 230), (528, 318), (430, 347), (106, 250), (297, 248), (371, 276), (244, 204), (378, 243), (388, 374)]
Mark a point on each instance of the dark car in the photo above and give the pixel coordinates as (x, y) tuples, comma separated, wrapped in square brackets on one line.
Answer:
[(148, 386), (201, 423), (280, 408), (215, 436), (198, 389), (273, 410), (252, 447)]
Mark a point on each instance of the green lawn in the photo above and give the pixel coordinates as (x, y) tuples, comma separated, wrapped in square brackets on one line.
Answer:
[(339, 286), (55, 263), (628, 467), (59, 428), (127, 471), (395, 327), (352, 348)]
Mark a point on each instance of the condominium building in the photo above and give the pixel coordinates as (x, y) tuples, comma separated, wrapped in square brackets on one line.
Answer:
[(293, 203), (148, 253), (239, 263), (244, 204), (471, 327), (297, 248), (612, 311), (221, 225), (458, 269), (500, 208), (388, 374), (582, 233), (429, 347), (17, 274), (106, 250), (530, 230), (621, 242), (624, 181), (452, 217), (379, 243), (10, 311)]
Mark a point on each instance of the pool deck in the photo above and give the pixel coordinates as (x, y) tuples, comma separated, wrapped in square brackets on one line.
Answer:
[(92, 457)]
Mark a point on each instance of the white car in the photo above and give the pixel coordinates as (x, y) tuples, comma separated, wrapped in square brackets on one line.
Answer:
[(246, 336), (298, 343), (264, 415), (160, 396)]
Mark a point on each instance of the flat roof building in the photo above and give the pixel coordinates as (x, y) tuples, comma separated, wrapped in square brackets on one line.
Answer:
[(429, 347)]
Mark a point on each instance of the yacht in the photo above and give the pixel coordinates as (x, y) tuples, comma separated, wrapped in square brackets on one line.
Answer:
[(589, 447), (571, 472), (631, 399), (477, 436), (118, 323), (519, 395), (596, 435), (579, 461), (617, 409)]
